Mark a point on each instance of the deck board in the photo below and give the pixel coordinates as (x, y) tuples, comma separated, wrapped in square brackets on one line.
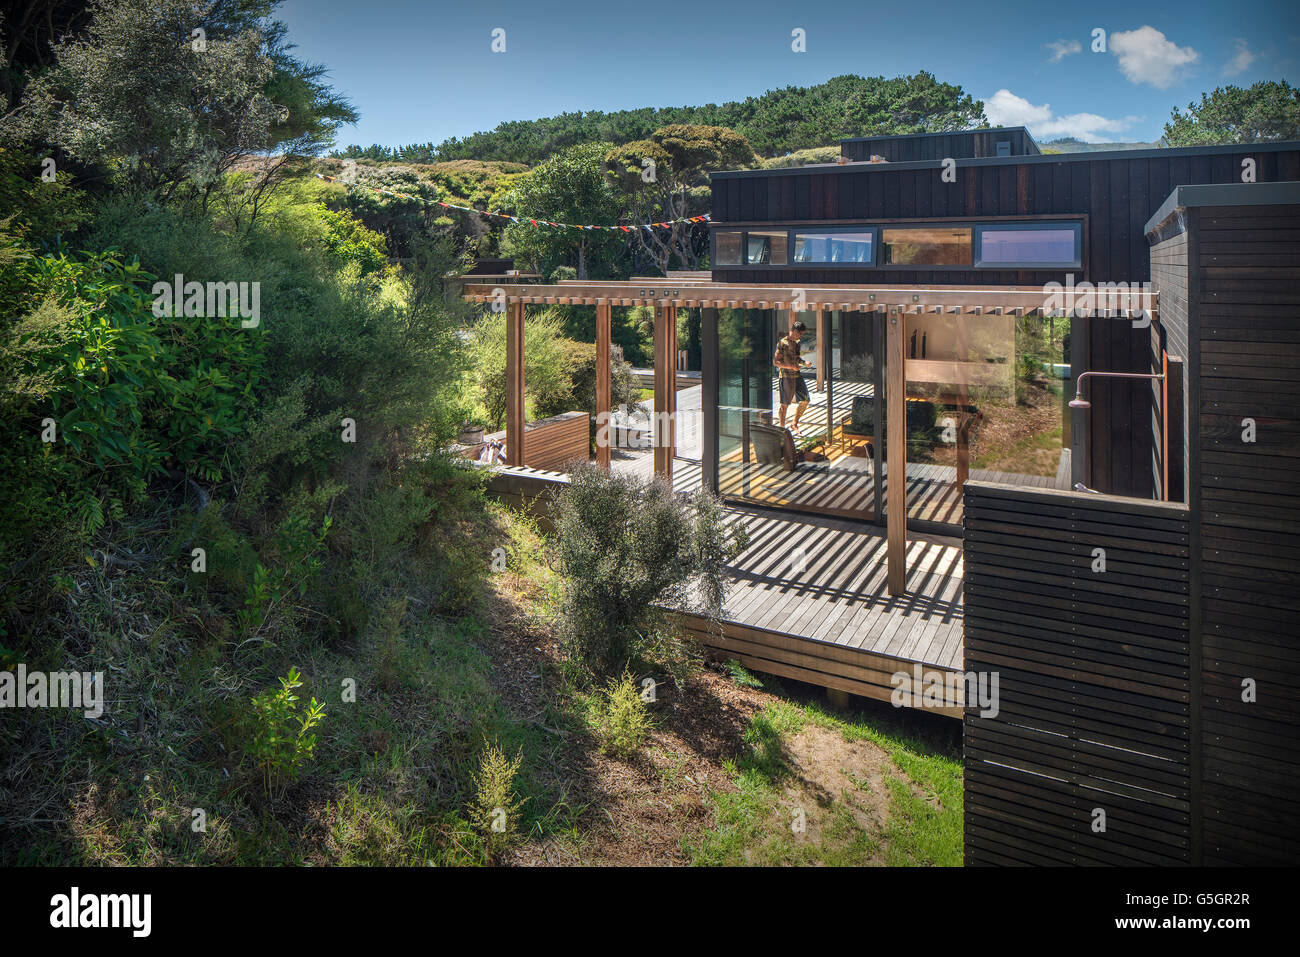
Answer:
[(835, 616)]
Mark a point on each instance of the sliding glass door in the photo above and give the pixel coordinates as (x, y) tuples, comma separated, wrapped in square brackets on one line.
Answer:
[(821, 457)]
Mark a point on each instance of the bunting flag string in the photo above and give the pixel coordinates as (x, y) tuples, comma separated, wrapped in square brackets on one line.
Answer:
[(521, 220)]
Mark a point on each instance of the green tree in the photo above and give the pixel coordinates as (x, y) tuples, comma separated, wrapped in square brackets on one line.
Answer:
[(664, 179), (568, 188), (1267, 111), (777, 122), (167, 108), (406, 212)]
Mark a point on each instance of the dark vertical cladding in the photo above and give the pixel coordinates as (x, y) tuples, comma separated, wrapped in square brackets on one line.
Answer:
[(1117, 192), (1114, 194)]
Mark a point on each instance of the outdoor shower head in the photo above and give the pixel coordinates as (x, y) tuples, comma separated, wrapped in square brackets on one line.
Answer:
[(1079, 402)]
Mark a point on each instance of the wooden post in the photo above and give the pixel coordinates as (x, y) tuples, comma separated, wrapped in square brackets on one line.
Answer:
[(658, 363), (665, 387), (896, 454), (515, 384), (672, 393), (603, 310)]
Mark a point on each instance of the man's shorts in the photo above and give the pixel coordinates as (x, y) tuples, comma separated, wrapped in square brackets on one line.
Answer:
[(793, 389)]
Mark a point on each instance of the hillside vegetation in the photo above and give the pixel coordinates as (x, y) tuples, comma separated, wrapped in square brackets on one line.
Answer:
[(777, 122)]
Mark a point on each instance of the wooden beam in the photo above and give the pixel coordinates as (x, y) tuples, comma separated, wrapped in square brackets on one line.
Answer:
[(603, 323), (896, 453), (515, 384), (845, 297)]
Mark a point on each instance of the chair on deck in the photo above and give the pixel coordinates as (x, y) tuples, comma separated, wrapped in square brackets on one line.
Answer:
[(773, 445)]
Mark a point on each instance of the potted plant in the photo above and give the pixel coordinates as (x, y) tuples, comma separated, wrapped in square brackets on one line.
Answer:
[(471, 434)]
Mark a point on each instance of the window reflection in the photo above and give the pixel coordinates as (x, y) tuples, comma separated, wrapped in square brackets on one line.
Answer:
[(834, 246), (767, 249), (727, 248), (938, 246), (1054, 245)]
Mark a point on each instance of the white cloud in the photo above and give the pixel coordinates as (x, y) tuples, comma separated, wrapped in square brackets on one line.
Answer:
[(1147, 56), (1241, 59), (1004, 108), (1062, 49)]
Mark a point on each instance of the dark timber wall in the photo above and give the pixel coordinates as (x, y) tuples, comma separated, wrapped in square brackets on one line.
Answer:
[(1241, 322), (1094, 704), (1115, 193), (1167, 689)]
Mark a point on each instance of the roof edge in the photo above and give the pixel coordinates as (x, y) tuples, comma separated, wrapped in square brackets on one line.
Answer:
[(1285, 193), (1174, 151)]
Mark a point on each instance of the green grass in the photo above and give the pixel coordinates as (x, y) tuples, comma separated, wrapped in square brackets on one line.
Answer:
[(752, 824)]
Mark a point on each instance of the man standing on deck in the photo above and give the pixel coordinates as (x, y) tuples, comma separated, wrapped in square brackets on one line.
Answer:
[(793, 388)]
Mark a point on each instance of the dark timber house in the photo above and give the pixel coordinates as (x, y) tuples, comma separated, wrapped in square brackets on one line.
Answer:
[(1086, 370)]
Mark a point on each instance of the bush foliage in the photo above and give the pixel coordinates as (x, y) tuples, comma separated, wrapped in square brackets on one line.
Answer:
[(627, 549)]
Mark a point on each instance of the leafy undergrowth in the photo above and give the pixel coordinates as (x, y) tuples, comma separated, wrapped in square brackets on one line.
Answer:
[(430, 641)]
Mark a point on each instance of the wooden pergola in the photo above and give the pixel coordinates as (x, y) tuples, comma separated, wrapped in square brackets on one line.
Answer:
[(667, 295)]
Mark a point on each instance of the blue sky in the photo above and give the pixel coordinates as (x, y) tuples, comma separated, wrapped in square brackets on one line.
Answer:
[(422, 72)]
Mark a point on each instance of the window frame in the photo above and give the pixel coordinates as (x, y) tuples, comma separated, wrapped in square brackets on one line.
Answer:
[(773, 231), (872, 231), (975, 224), (931, 266), (977, 242)]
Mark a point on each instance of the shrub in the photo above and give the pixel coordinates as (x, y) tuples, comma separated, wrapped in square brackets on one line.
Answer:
[(547, 375), (297, 551), (624, 389), (495, 813), (624, 718), (283, 738), (347, 240), (625, 546)]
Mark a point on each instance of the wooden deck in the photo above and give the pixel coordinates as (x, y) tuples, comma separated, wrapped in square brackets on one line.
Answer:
[(808, 597), (808, 600), (843, 489)]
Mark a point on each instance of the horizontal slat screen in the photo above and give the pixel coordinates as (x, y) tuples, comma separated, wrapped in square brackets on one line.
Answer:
[(1093, 680)]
